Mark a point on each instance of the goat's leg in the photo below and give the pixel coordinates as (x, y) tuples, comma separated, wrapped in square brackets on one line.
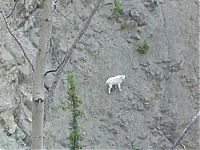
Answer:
[(109, 88), (119, 86)]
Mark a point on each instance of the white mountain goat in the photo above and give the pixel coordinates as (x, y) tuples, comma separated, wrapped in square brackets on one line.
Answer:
[(117, 80)]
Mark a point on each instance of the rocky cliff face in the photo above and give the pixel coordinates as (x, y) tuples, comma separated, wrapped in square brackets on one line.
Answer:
[(159, 96)]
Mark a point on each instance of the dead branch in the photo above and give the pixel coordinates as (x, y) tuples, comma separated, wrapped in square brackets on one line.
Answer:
[(189, 126), (53, 49), (23, 50), (71, 49), (59, 12), (50, 71), (12, 9)]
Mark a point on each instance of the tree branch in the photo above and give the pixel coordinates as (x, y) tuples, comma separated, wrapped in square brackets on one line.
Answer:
[(66, 18), (71, 49), (51, 71), (12, 9), (53, 49), (190, 124), (23, 50)]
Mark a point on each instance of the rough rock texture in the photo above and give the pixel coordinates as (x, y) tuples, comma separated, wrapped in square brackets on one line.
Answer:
[(160, 94)]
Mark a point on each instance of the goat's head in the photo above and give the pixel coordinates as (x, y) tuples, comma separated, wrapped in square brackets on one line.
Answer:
[(122, 77)]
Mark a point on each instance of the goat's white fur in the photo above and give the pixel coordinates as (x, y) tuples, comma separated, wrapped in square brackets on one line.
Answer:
[(116, 80)]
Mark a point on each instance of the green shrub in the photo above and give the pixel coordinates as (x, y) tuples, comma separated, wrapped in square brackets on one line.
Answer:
[(124, 26), (118, 6), (76, 135), (62, 105), (117, 10), (143, 47), (110, 114), (113, 16)]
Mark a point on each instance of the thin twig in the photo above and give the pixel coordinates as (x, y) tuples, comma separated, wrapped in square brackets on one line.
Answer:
[(190, 124), (12, 9), (23, 50), (50, 71), (53, 49), (59, 12), (183, 146), (71, 49)]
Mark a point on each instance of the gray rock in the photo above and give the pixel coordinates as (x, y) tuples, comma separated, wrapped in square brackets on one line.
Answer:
[(7, 142), (137, 13), (137, 37), (4, 104), (7, 121)]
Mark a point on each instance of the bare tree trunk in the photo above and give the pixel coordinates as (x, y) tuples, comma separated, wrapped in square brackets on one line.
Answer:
[(38, 79)]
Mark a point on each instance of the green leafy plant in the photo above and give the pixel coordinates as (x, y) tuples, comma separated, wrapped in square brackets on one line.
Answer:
[(124, 26), (62, 105), (118, 6), (143, 47), (110, 114), (117, 10), (113, 16), (76, 135)]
